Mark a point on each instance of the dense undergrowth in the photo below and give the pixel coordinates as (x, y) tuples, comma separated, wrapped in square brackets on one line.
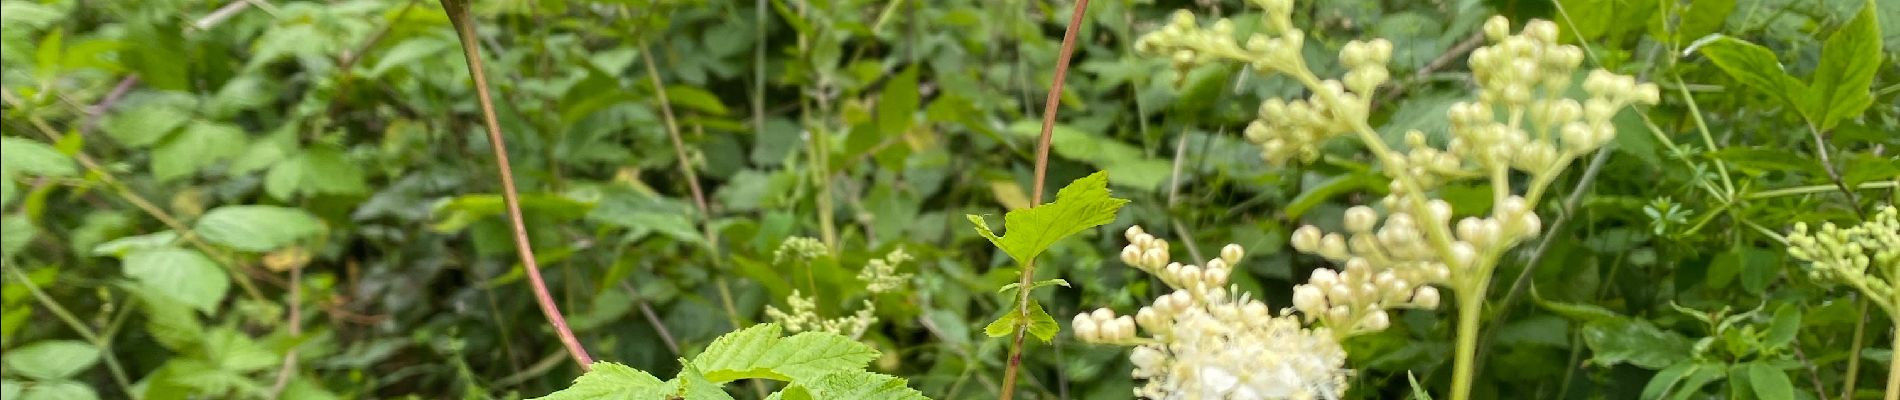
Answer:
[(776, 198)]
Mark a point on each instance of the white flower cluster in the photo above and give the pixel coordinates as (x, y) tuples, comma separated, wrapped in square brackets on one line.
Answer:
[(804, 317), (881, 276), (1846, 255), (798, 248), (1206, 344)]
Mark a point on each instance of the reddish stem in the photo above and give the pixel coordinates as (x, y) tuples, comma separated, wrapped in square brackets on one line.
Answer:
[(465, 30), (1049, 108)]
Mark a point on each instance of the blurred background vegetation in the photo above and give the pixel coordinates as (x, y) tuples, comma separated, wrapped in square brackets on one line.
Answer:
[(197, 192)]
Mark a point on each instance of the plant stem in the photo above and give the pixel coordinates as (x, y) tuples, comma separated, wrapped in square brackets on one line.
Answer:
[(471, 51), (1893, 370), (99, 342), (1050, 105), (1470, 302), (1853, 354)]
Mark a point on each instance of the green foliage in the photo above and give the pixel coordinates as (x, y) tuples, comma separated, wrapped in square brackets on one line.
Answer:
[(1083, 204), (1839, 87), (815, 364)]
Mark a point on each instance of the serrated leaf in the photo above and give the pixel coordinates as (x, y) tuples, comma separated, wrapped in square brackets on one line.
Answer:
[(1083, 204), (181, 274), (1040, 323), (1034, 285), (51, 359), (607, 380), (1752, 65), (1849, 60), (35, 158), (257, 228), (146, 124), (861, 385), (758, 352)]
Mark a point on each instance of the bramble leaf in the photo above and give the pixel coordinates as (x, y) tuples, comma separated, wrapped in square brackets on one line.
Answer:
[(759, 352), (1753, 65), (257, 228), (1040, 323), (1849, 60), (608, 380), (1083, 204)]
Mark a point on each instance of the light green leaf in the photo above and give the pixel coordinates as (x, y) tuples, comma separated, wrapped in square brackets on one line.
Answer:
[(59, 390), (51, 359), (328, 171), (898, 103), (199, 145), (1849, 61), (233, 351), (862, 385), (1786, 324), (1636, 342), (1036, 284), (696, 99), (759, 352), (607, 380), (1768, 382), (1703, 17), (185, 275), (256, 228), (15, 232), (35, 158), (1753, 65), (146, 124), (1041, 324), (122, 246), (1083, 204), (10, 389)]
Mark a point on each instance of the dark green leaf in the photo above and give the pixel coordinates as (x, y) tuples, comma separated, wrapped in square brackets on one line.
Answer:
[(1849, 60), (257, 228)]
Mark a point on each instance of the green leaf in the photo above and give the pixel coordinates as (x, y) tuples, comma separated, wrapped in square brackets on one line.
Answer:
[(758, 352), (1034, 285), (1703, 17), (696, 99), (607, 380), (197, 146), (59, 390), (146, 124), (1083, 204), (185, 275), (1041, 324), (1684, 380), (1786, 324), (9, 389), (1849, 60), (51, 359), (861, 385), (125, 245), (16, 231), (897, 104), (35, 158), (1768, 382), (1753, 65), (256, 228), (1636, 342), (233, 351)]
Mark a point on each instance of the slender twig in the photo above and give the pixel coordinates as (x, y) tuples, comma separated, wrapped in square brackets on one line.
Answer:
[(105, 104), (646, 310), (296, 329), (125, 192), (471, 51), (100, 342), (1833, 173), (220, 15), (349, 59), (1814, 373), (1050, 105)]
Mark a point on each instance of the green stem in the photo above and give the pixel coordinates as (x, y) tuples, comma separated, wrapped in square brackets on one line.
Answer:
[(1470, 312), (1853, 354), (1811, 189), (1893, 368)]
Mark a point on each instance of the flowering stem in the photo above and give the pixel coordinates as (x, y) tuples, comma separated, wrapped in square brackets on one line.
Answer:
[(1470, 302), (1893, 370), (1042, 168), (465, 30)]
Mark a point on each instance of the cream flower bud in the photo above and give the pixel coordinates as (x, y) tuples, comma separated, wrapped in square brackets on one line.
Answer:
[(1377, 321), (1324, 277), (1462, 254), (1085, 328), (1133, 232), (1426, 297), (1216, 277), (1306, 239), (1124, 328), (1379, 51), (1495, 28), (1541, 30), (1339, 313), (1131, 256), (1647, 93), (1153, 258), (1333, 246), (1358, 265), (1231, 253), (1102, 314), (1360, 219), (1440, 211)]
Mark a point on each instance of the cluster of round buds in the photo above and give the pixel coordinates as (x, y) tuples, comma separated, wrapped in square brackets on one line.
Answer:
[(1365, 62), (1513, 67), (1609, 93), (1844, 255), (1354, 301), (1102, 326), (1150, 254), (1424, 164), (1510, 222), (1293, 130)]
